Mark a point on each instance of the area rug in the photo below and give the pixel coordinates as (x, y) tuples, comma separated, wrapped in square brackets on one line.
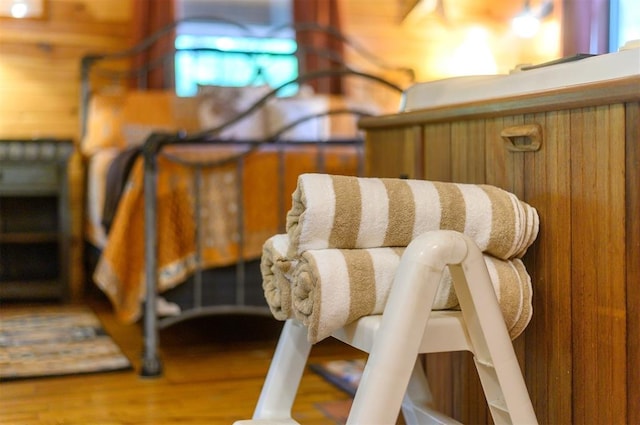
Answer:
[(336, 411), (54, 341), (344, 374)]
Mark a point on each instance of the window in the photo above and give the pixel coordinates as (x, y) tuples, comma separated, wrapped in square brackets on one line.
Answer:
[(234, 61), (226, 55), (624, 23)]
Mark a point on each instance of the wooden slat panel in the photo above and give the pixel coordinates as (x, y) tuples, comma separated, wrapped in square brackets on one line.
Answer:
[(467, 146), (468, 166), (632, 125), (439, 368), (598, 305), (399, 144), (497, 174), (546, 186), (611, 293), (437, 152)]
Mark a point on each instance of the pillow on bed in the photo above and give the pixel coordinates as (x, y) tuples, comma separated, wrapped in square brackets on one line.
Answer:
[(104, 123), (144, 112), (135, 134), (127, 119), (218, 105), (285, 111)]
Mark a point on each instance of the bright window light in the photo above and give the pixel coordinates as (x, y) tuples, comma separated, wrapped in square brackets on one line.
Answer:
[(233, 61), (624, 23)]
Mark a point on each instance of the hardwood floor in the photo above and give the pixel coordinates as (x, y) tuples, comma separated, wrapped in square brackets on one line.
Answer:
[(213, 371)]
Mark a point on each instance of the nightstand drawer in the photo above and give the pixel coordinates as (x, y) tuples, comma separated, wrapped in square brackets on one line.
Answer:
[(36, 176)]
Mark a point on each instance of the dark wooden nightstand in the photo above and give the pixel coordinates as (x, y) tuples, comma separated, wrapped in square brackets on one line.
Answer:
[(35, 222)]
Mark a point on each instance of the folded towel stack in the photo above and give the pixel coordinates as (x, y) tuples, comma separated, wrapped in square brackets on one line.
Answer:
[(345, 236)]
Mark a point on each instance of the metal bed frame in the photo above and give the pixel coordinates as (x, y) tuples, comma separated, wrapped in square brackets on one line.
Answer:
[(153, 149)]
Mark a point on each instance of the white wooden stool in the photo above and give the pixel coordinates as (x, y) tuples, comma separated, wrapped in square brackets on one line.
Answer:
[(393, 377)]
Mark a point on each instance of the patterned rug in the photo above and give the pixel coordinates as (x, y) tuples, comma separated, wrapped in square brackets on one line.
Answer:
[(53, 341), (344, 374)]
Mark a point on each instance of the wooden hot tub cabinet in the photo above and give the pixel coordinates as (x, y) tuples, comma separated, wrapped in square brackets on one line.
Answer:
[(574, 154)]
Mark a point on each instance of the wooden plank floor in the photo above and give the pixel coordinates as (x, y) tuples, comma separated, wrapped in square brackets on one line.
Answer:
[(213, 372)]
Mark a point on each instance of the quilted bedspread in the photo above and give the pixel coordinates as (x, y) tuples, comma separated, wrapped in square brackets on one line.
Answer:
[(257, 191)]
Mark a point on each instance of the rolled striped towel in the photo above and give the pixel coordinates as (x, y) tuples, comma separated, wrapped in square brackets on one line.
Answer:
[(330, 211), (334, 287), (517, 316), (276, 268)]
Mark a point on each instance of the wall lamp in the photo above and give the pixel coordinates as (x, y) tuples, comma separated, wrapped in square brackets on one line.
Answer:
[(22, 9), (527, 22)]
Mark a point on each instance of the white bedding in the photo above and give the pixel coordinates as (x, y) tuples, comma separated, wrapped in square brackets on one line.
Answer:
[(97, 168)]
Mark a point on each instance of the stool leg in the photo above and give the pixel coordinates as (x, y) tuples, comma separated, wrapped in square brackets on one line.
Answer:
[(495, 359), (285, 372)]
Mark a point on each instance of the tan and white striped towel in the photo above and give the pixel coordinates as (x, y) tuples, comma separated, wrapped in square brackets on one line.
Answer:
[(276, 268), (330, 211), (334, 287)]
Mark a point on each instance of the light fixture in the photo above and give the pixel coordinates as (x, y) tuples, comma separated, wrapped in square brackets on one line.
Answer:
[(527, 22), (473, 56), (20, 9)]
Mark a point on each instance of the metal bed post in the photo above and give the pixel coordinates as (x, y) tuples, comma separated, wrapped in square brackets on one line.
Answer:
[(240, 264), (197, 205), (151, 365)]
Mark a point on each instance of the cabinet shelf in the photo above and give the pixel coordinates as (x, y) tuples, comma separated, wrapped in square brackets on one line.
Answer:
[(34, 219), (27, 238), (44, 288)]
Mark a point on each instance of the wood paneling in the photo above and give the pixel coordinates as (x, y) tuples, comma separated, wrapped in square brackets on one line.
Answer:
[(632, 138), (543, 178), (430, 44), (598, 264), (405, 143), (40, 63)]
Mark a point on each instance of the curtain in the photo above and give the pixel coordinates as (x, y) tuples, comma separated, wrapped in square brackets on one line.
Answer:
[(323, 13), (150, 16), (585, 26)]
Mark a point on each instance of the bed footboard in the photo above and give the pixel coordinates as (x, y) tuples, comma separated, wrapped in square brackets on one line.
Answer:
[(239, 286)]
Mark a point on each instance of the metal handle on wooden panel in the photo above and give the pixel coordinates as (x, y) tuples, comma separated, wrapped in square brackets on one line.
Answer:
[(522, 138)]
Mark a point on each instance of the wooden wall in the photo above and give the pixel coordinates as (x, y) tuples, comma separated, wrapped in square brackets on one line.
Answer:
[(436, 44), (39, 60), (40, 75)]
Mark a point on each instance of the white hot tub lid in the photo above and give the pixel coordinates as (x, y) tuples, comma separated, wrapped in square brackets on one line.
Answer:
[(466, 89)]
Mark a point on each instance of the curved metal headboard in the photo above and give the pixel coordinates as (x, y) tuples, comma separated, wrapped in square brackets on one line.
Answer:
[(97, 64)]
